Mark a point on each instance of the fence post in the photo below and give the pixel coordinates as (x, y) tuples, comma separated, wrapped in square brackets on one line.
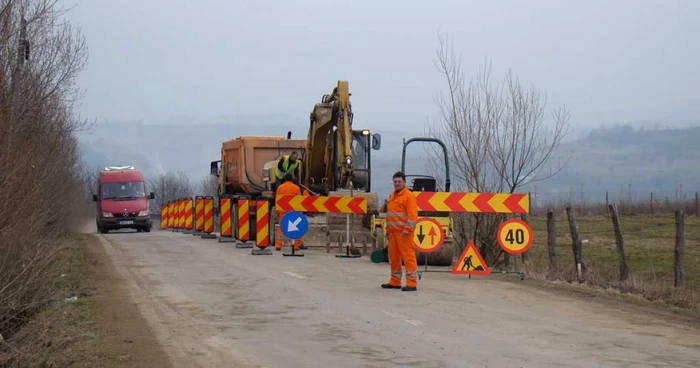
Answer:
[(651, 202), (576, 244), (624, 271), (524, 255), (551, 239), (678, 251)]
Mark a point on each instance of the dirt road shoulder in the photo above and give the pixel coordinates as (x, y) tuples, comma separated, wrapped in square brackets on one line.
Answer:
[(92, 321), (128, 334)]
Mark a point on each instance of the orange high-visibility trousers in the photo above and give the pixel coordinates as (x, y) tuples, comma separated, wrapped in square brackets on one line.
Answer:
[(401, 249), (279, 239)]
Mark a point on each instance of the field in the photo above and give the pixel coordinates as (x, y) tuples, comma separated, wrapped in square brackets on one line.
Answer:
[(649, 249)]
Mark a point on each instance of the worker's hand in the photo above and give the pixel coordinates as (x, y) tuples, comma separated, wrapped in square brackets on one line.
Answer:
[(405, 233)]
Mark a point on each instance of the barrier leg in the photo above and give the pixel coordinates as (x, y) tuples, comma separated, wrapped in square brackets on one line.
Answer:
[(294, 253), (347, 239)]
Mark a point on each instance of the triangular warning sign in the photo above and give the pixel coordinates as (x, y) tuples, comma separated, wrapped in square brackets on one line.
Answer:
[(470, 262)]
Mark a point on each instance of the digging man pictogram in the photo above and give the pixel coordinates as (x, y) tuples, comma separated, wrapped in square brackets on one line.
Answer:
[(467, 263)]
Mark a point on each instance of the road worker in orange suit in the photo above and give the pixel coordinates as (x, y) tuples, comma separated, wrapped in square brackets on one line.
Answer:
[(401, 217), (286, 188)]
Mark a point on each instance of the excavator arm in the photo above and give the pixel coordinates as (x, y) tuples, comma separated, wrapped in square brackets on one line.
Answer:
[(329, 160)]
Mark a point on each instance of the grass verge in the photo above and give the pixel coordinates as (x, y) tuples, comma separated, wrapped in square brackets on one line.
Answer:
[(649, 250), (65, 333)]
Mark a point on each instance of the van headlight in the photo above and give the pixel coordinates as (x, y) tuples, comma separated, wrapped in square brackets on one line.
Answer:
[(144, 213), (107, 214)]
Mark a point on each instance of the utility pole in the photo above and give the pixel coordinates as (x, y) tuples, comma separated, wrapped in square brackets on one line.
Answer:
[(22, 56)]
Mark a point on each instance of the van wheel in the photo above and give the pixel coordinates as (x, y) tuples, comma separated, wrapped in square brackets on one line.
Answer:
[(103, 230), (147, 229)]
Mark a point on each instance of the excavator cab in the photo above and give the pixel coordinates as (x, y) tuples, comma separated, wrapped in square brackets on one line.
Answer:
[(363, 142)]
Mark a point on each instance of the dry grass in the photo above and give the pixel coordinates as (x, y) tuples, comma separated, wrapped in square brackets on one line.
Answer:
[(649, 249), (63, 334)]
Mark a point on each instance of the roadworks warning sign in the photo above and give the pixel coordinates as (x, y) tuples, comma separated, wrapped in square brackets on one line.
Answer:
[(470, 262)]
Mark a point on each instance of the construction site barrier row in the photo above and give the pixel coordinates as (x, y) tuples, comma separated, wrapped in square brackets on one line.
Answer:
[(189, 216), (247, 222), (253, 220)]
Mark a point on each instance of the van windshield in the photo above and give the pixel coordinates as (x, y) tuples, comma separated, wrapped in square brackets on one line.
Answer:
[(126, 190)]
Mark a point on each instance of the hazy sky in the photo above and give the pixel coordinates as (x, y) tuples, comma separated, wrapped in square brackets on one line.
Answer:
[(607, 60)]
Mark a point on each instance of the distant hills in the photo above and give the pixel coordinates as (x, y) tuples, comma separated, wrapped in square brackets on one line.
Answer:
[(605, 160), (621, 158)]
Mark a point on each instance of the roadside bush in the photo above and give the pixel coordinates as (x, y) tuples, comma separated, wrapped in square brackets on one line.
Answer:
[(41, 175)]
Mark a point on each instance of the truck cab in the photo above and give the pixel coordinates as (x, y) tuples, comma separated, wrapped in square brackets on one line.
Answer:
[(121, 200)]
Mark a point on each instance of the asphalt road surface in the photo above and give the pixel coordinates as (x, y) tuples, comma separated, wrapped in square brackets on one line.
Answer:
[(212, 305)]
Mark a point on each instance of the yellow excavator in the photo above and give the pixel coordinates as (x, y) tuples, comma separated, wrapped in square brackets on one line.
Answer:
[(336, 157), (419, 183), (336, 160)]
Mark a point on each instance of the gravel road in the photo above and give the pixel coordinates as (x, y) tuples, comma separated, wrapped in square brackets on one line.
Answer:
[(212, 305)]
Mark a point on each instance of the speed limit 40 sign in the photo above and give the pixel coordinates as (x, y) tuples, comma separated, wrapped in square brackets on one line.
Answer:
[(515, 236)]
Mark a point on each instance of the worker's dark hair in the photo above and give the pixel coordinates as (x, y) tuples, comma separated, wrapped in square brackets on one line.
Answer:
[(399, 174), (288, 177), (294, 153)]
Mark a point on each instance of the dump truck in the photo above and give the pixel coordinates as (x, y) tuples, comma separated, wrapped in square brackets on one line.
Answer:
[(245, 166)]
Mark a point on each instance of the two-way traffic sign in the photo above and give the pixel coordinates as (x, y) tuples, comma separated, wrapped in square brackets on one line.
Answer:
[(428, 235)]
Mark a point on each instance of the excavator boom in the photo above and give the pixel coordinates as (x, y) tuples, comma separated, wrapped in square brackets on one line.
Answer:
[(329, 161)]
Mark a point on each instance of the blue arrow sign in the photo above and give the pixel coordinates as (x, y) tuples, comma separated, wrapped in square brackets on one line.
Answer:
[(294, 225)]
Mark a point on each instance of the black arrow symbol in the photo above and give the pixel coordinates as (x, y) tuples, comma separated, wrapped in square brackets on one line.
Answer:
[(420, 235)]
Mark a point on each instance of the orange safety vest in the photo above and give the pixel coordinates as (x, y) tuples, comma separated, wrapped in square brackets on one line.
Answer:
[(401, 211)]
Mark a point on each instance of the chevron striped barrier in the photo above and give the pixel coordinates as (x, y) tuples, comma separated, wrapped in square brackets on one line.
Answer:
[(243, 214), (164, 217), (181, 215), (262, 228), (350, 205), (208, 227), (262, 224), (473, 202), (171, 216), (225, 228), (189, 216), (198, 215)]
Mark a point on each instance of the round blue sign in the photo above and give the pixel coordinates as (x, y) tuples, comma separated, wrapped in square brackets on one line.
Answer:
[(294, 225)]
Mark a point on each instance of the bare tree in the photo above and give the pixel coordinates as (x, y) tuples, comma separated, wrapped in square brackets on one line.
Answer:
[(497, 139), (42, 175), (169, 187), (209, 186)]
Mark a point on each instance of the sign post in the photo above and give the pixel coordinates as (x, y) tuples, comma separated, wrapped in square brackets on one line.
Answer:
[(294, 225)]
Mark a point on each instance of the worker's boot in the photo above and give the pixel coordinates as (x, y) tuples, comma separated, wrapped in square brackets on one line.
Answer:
[(390, 286), (409, 288)]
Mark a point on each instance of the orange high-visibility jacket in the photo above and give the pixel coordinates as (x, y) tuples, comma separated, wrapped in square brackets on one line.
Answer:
[(401, 211)]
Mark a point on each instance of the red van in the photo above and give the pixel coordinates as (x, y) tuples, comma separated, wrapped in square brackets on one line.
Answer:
[(121, 200)]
